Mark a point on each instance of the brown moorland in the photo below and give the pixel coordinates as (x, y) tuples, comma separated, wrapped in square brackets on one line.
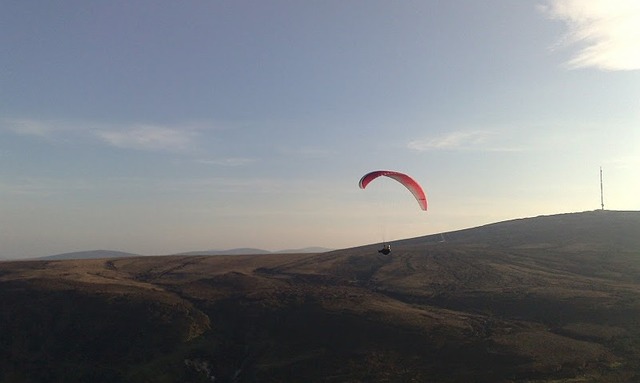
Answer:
[(545, 299)]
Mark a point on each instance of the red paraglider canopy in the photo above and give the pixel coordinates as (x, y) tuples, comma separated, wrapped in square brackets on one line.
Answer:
[(404, 179)]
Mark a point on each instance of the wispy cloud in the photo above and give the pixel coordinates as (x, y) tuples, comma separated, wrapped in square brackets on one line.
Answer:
[(30, 127), (231, 161), (453, 140), (43, 186), (607, 32), (309, 152), (127, 136), (148, 137), (479, 140), (624, 162)]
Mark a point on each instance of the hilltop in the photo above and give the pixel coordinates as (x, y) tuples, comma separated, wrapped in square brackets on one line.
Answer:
[(544, 299), (600, 228)]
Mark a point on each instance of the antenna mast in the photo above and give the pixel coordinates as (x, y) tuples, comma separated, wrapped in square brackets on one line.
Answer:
[(601, 190)]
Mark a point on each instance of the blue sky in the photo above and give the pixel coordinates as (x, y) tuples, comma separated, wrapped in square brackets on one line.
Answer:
[(158, 126)]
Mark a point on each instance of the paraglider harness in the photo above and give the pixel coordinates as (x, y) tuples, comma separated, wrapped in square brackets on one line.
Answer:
[(386, 249)]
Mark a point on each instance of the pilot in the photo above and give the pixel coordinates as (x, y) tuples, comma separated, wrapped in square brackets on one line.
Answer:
[(386, 249)]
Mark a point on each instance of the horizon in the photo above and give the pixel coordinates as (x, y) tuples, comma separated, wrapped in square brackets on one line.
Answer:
[(303, 249), (154, 128)]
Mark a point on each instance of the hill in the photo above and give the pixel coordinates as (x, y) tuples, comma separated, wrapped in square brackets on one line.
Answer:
[(312, 249), (238, 251), (544, 299), (91, 254), (599, 228), (253, 251), (98, 254)]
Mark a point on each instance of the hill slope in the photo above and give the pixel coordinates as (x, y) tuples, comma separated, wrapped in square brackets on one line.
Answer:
[(602, 229), (545, 299)]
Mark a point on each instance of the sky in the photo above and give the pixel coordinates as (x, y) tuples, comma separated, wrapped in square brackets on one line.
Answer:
[(158, 127)]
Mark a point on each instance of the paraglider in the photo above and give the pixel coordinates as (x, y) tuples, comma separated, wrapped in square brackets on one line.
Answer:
[(408, 182), (404, 179)]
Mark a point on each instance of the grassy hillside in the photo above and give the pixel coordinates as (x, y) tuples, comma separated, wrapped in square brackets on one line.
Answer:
[(545, 299), (600, 229)]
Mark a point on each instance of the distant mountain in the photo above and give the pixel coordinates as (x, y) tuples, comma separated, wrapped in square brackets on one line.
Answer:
[(314, 249), (92, 254), (238, 251), (253, 251), (97, 254)]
